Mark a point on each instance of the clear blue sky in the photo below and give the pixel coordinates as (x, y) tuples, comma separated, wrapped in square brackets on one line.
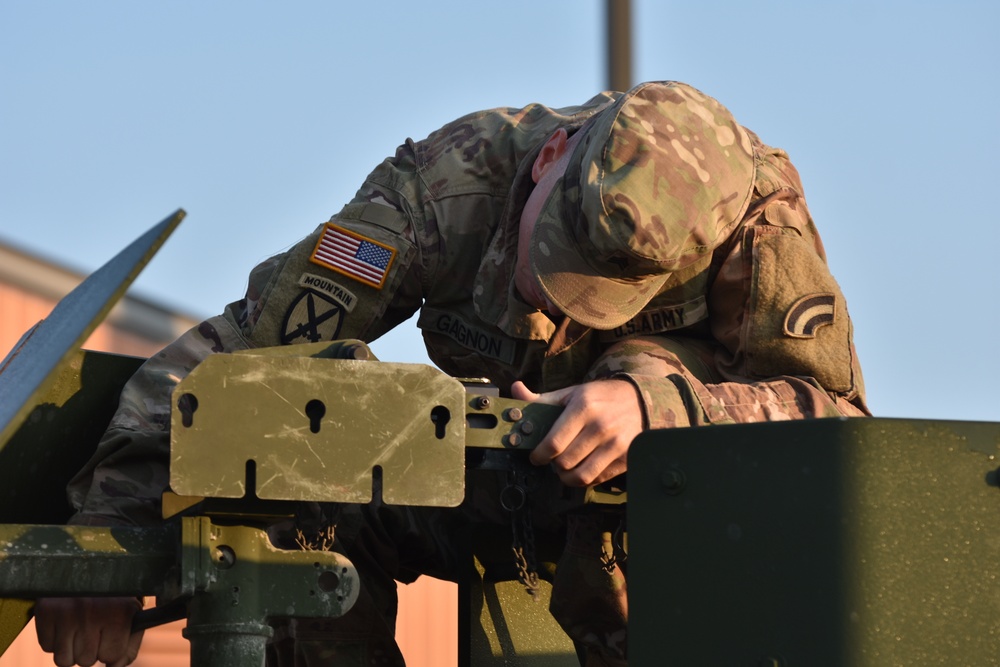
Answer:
[(261, 119)]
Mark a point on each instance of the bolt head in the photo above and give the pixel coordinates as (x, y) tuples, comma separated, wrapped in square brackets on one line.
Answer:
[(673, 481)]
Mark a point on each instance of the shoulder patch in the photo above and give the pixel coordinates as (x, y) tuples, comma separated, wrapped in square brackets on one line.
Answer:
[(810, 313), (353, 255), (310, 318), (337, 292)]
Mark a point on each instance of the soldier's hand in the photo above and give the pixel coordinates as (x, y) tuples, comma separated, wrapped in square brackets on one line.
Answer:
[(81, 631), (589, 441)]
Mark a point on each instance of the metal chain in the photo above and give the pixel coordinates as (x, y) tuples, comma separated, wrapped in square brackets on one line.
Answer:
[(608, 560), (322, 540), (618, 556), (522, 532)]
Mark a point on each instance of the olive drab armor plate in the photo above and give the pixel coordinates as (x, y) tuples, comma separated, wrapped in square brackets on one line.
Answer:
[(315, 429), (822, 542)]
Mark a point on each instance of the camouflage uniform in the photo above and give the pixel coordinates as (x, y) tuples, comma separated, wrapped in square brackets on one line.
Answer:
[(679, 244)]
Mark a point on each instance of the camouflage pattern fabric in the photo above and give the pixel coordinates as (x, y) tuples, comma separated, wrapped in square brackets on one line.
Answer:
[(589, 595), (657, 182), (747, 324)]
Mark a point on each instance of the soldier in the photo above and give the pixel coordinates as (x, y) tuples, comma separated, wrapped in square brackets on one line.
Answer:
[(641, 259)]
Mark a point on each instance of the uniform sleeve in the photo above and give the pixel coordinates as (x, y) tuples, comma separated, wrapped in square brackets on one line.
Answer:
[(678, 400), (356, 276), (678, 385), (122, 482)]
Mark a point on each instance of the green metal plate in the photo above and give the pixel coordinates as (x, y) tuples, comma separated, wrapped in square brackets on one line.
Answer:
[(823, 542), (316, 428), (50, 561), (59, 436), (513, 628)]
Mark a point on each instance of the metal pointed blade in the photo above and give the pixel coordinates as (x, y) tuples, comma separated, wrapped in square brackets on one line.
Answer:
[(27, 371)]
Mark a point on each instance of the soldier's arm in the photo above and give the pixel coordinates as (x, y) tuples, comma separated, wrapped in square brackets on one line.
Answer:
[(656, 382), (300, 296), (123, 482)]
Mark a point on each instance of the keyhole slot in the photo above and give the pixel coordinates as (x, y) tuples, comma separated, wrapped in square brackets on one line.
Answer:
[(187, 404), (315, 409), (440, 416)]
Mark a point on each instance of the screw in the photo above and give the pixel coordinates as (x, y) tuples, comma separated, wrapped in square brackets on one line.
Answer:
[(482, 402), (514, 414), (514, 439), (527, 427)]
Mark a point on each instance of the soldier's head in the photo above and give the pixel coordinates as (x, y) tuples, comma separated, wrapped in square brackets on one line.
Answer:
[(646, 187)]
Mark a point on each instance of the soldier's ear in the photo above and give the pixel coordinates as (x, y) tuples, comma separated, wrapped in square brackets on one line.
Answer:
[(554, 148)]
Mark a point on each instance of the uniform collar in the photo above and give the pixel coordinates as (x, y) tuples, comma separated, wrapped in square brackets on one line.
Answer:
[(494, 296), (520, 320)]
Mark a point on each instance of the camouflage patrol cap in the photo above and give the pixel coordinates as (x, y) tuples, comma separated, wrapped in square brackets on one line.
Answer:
[(657, 181)]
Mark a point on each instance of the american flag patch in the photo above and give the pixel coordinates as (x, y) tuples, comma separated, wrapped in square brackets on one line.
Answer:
[(353, 255)]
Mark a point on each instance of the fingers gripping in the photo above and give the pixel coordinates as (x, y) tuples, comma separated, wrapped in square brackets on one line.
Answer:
[(589, 441)]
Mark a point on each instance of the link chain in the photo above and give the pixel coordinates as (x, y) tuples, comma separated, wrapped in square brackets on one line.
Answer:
[(514, 499), (618, 556)]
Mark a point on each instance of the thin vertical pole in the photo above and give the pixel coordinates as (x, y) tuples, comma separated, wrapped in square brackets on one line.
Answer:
[(619, 20)]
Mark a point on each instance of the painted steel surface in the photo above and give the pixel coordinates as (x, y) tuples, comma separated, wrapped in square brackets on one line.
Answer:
[(821, 542)]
